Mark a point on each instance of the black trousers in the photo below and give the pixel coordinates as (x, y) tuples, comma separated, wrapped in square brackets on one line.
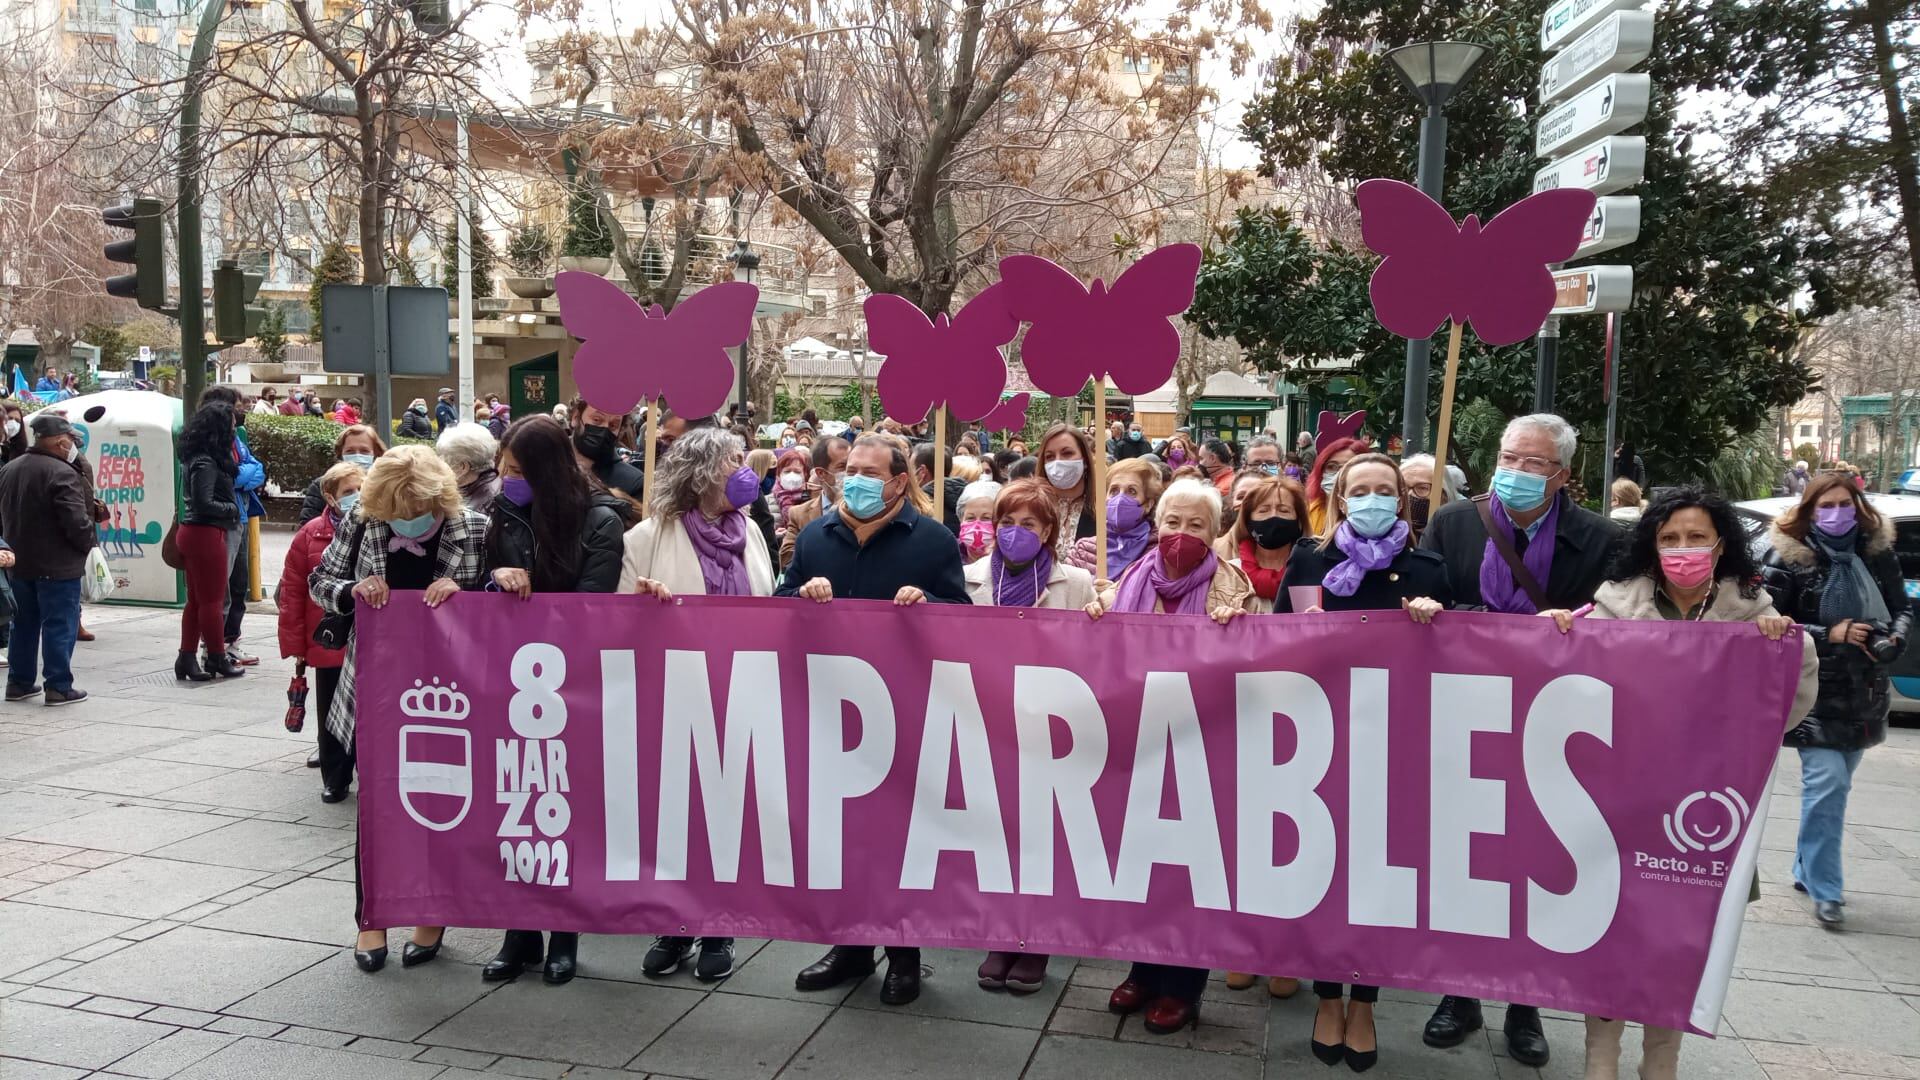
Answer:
[(237, 593), (1365, 995), (1164, 980), (336, 760)]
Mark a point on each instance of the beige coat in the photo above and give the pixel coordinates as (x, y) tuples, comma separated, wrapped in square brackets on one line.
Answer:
[(1069, 588), (1229, 589), (1633, 599), (798, 518), (659, 549)]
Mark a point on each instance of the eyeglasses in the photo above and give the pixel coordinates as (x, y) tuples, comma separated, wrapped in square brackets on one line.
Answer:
[(1419, 491), (1524, 463)]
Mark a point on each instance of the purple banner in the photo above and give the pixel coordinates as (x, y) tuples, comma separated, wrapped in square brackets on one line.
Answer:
[(1482, 806)]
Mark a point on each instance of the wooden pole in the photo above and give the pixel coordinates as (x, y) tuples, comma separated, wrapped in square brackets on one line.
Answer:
[(1099, 467), (651, 450), (940, 462), (1446, 418)]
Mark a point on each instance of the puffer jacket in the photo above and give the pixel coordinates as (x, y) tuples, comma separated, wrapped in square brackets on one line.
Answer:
[(298, 613), (602, 541), (1850, 712)]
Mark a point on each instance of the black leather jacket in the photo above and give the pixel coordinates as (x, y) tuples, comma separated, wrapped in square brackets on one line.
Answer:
[(602, 541), (208, 497), (1851, 710)]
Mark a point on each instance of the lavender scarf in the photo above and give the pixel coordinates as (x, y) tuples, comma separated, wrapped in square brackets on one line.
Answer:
[(1023, 587), (1364, 555), (1123, 547), (721, 547), (1498, 590), (1146, 581)]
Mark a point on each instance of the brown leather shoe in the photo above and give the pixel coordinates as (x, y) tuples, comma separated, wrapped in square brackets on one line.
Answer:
[(1128, 997), (1239, 980), (1169, 1015)]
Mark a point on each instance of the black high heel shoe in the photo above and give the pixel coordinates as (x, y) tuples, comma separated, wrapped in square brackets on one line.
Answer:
[(521, 950), (1327, 1053), (415, 955), (186, 667), (1362, 1060), (562, 948), (221, 664), (371, 960)]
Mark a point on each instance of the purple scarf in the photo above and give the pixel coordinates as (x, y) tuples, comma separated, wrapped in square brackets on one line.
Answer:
[(1498, 590), (1019, 588), (721, 547), (1145, 581), (1125, 546), (1364, 555)]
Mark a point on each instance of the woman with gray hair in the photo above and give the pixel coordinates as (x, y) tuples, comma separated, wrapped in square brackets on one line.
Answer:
[(469, 450), (1417, 472), (697, 541)]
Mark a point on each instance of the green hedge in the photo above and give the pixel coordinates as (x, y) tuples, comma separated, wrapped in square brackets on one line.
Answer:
[(295, 449)]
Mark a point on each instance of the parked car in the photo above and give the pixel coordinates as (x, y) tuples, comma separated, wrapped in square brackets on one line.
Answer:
[(1758, 514)]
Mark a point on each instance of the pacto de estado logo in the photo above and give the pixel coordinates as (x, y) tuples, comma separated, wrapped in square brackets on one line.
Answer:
[(1705, 823)]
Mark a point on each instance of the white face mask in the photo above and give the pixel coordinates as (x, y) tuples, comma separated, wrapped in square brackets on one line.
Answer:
[(1066, 472), (13, 428), (72, 453), (792, 481)]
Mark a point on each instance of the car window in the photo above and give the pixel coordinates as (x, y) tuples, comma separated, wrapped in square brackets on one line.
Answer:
[(1906, 547)]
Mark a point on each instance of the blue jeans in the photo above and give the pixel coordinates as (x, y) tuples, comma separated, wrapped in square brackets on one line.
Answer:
[(1826, 776), (49, 611)]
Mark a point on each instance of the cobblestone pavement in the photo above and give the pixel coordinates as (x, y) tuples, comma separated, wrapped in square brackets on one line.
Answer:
[(175, 902)]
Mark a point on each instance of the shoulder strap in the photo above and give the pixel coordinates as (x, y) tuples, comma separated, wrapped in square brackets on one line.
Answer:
[(1504, 545)]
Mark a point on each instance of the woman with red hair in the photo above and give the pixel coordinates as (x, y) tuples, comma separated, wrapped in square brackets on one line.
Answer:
[(790, 484), (1320, 478)]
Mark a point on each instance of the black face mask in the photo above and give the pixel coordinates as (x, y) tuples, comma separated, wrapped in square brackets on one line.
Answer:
[(1275, 532), (1420, 508), (595, 444)]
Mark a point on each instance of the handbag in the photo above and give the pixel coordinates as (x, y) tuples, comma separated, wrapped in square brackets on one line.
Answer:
[(332, 631), (1504, 545), (170, 548)]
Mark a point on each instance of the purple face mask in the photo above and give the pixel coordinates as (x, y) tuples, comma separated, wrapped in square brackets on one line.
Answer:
[(1017, 545), (1834, 520), (742, 487), (517, 491), (1123, 513)]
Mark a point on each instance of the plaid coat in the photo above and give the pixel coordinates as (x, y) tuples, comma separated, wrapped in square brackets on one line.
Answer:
[(462, 557)]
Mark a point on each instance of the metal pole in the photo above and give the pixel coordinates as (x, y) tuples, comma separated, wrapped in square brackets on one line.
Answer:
[(382, 366), (193, 331), (1546, 358), (1431, 180), (1615, 327), (464, 200)]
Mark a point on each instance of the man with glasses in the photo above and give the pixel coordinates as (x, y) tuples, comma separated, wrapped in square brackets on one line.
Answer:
[(1523, 548)]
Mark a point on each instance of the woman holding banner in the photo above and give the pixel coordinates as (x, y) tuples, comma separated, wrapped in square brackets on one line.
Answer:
[(1363, 560), (1180, 575), (552, 531), (412, 532), (1133, 493), (1021, 571), (1833, 570), (697, 541), (1685, 561)]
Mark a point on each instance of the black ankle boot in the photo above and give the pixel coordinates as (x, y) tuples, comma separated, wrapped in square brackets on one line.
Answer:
[(219, 663), (186, 667), (562, 947), (521, 950)]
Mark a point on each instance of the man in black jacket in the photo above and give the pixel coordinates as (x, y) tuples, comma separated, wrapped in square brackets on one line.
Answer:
[(923, 476), (873, 545), (1528, 507), (46, 519), (595, 440)]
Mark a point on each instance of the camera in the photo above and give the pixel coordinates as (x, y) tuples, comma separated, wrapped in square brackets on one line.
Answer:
[(1881, 645)]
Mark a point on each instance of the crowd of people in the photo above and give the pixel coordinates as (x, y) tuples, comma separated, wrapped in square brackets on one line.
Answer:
[(1200, 527)]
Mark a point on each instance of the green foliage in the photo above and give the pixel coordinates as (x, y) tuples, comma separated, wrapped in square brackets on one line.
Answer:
[(479, 249), (272, 338), (587, 236), (1748, 468), (293, 449), (167, 376), (115, 349), (337, 266), (404, 269), (786, 406), (531, 251), (1708, 346), (1809, 453)]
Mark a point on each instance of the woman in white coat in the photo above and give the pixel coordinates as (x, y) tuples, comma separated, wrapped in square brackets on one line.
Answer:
[(1021, 571), (697, 541)]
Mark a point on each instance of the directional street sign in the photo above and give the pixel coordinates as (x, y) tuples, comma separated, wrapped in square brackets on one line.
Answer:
[(1617, 44), (1615, 222), (1589, 289), (1613, 104), (1568, 19), (1615, 163)]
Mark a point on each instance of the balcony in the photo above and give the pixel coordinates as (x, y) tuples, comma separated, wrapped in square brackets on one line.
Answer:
[(782, 280)]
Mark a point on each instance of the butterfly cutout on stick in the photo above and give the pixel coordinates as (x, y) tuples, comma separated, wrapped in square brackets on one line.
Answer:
[(1332, 427), (954, 361), (1122, 332), (630, 354), (1009, 415), (1493, 277)]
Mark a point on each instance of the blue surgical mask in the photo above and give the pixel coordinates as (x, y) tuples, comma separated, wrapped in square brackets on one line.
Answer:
[(347, 502), (1521, 491), (413, 528), (1373, 516), (1136, 436), (865, 497), (1269, 469), (365, 461)]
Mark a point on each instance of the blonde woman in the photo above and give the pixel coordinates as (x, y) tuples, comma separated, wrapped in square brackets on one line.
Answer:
[(412, 531)]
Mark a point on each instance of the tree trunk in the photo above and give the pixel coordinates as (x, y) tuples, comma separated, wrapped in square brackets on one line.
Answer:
[(1906, 173)]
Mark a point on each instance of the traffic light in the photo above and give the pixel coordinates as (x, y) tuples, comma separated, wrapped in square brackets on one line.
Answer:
[(146, 251), (235, 319)]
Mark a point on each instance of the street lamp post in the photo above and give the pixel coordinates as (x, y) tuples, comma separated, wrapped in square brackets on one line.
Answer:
[(1433, 70), (745, 263)]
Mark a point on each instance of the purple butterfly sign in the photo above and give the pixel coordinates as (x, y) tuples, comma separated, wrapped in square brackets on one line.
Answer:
[(1495, 277)]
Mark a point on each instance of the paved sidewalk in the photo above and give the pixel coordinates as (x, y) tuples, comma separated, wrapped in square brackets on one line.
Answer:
[(175, 900)]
